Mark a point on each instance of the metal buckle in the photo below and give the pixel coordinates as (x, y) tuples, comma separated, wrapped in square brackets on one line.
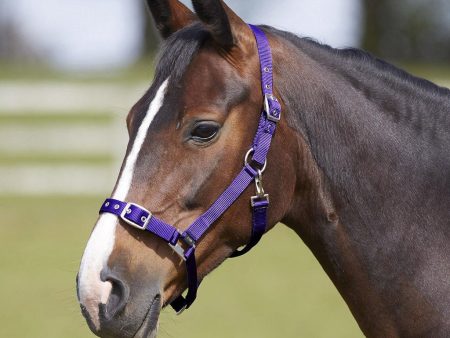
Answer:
[(270, 114), (179, 249), (260, 194), (257, 198), (137, 226), (188, 240), (250, 152)]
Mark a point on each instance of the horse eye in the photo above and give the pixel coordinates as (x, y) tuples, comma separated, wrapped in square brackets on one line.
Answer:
[(204, 132)]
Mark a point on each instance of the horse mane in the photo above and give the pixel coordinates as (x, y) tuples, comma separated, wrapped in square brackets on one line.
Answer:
[(362, 58), (181, 47)]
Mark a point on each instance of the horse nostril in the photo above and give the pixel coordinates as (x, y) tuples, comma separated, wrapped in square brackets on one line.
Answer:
[(77, 283), (117, 298)]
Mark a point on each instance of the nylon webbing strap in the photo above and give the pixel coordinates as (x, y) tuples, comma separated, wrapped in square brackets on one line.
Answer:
[(259, 224)]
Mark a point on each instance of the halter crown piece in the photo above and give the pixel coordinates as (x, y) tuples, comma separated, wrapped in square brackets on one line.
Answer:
[(143, 219)]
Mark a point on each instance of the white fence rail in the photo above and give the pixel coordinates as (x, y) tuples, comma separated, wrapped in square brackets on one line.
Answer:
[(62, 97), (56, 139), (66, 139)]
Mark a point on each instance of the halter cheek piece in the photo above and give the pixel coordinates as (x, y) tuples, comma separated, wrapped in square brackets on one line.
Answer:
[(143, 219)]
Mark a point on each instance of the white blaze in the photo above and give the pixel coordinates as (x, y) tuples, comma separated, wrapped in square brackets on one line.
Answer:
[(92, 290)]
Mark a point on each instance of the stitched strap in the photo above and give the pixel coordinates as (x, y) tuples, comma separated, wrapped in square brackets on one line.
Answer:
[(141, 218), (259, 224), (272, 108), (197, 229), (181, 303)]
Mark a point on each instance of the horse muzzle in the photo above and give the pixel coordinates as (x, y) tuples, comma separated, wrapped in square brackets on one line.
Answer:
[(128, 311)]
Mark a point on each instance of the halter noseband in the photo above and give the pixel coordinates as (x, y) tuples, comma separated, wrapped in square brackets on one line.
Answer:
[(140, 218)]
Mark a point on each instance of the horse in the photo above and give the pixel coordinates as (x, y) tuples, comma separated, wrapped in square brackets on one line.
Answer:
[(358, 167)]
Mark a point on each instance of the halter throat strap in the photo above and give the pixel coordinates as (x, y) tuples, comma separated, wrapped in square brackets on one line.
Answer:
[(184, 242)]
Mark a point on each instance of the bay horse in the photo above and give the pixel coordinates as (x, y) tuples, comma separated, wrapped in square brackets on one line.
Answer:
[(359, 168)]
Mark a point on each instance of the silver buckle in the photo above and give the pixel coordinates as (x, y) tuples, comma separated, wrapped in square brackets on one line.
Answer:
[(270, 117), (178, 249), (257, 198), (260, 194), (188, 240), (137, 226), (250, 152)]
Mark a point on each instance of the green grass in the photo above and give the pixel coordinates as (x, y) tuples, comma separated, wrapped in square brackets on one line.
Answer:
[(277, 290)]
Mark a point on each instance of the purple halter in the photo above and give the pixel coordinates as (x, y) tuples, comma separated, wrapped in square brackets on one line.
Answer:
[(143, 219)]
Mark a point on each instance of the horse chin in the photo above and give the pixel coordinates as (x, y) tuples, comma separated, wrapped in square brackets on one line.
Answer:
[(149, 326)]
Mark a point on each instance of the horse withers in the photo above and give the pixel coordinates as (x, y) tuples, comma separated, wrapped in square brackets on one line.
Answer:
[(358, 166)]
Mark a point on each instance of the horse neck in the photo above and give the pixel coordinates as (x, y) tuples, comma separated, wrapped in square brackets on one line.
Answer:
[(369, 160)]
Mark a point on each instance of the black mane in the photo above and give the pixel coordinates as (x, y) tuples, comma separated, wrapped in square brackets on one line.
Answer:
[(178, 51), (364, 59)]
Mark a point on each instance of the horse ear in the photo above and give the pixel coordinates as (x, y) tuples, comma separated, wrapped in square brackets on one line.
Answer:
[(170, 16), (225, 26)]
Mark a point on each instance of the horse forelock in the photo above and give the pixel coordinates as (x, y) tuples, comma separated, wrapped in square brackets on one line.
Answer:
[(178, 51)]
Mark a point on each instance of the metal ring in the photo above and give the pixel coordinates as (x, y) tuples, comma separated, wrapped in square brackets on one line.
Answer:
[(249, 152)]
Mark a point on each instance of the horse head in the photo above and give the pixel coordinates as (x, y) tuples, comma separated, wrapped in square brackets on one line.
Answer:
[(188, 136)]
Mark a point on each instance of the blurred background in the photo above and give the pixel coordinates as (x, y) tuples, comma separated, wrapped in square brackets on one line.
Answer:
[(69, 72)]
